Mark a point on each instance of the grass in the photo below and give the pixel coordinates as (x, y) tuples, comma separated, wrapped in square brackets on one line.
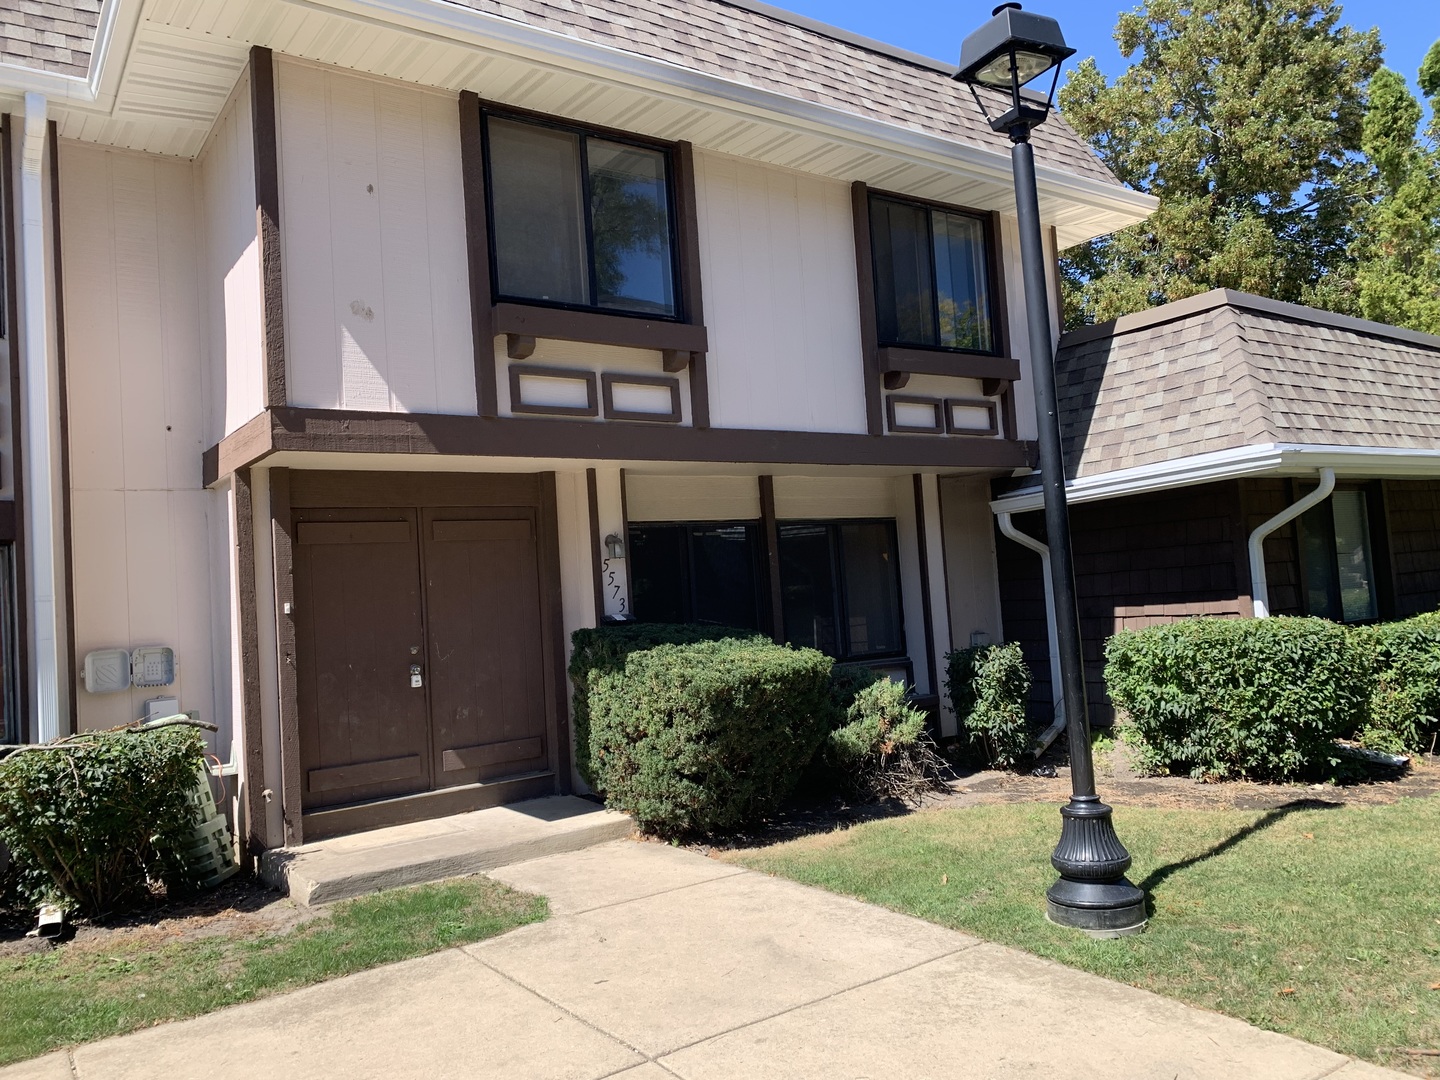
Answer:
[(74, 994), (1321, 923)]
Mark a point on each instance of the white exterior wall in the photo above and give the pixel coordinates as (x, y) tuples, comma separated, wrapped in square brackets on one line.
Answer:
[(970, 574), (377, 308), (141, 529), (777, 255), (230, 268)]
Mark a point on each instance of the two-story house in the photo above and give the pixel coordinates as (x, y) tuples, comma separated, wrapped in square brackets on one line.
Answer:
[(359, 351)]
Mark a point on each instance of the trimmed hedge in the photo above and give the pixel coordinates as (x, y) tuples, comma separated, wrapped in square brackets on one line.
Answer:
[(1404, 708), (1260, 699), (602, 649), (988, 687), (91, 821), (706, 737)]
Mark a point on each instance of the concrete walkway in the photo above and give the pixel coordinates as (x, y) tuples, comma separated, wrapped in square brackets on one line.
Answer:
[(659, 963)]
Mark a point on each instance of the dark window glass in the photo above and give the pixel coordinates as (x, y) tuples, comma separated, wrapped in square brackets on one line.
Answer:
[(695, 573), (840, 588), (580, 221), (931, 279), (539, 218), (1339, 564)]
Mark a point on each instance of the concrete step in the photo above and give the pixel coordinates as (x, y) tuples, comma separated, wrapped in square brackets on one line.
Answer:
[(346, 866)]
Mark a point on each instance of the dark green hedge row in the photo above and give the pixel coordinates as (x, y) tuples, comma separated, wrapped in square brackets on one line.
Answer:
[(1266, 698), (703, 737)]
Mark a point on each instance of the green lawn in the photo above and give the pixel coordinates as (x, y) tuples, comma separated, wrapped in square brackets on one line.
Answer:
[(1320, 923), (74, 994)]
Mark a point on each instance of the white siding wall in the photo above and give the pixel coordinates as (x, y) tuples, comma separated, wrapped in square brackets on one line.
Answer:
[(231, 268), (691, 498), (777, 252), (134, 341), (377, 306), (969, 531)]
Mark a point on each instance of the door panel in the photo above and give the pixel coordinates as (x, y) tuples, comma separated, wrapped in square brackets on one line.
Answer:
[(364, 732), (486, 651)]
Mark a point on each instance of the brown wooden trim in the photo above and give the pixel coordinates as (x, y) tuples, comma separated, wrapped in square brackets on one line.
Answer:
[(267, 221), (7, 521), (344, 431), (17, 421), (608, 381), (770, 542), (1001, 306), (487, 754), (256, 828), (63, 379), (597, 566), (598, 328), (971, 403), (517, 404), (364, 773), (477, 248), (957, 365), (282, 536), (625, 535), (926, 614), (319, 824), (938, 428), (687, 217), (317, 489), (1055, 282), (557, 704), (869, 334), (246, 445)]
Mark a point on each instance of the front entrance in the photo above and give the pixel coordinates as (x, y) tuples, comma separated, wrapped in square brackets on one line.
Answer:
[(424, 645)]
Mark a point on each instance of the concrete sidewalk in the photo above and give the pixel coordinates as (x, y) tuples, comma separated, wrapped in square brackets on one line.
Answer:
[(659, 963)]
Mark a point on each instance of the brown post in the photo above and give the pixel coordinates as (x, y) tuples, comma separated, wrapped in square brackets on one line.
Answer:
[(282, 530)]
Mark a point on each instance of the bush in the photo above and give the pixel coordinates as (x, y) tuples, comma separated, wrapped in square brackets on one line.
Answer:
[(594, 652), (988, 687), (91, 821), (706, 737), (882, 749), (1404, 709), (1261, 699)]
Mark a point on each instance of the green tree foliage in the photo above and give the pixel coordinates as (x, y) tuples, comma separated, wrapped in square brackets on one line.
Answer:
[(1244, 118), (1397, 247)]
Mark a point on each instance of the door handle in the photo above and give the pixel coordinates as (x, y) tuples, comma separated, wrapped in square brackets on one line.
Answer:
[(417, 678)]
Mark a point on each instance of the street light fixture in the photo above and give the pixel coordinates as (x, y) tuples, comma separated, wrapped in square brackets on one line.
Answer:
[(1014, 48)]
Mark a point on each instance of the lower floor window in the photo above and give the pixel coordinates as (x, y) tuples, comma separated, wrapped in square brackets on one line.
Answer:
[(1338, 559), (839, 581)]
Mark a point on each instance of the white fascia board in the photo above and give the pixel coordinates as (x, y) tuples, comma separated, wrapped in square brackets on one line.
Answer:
[(452, 23), (1281, 459)]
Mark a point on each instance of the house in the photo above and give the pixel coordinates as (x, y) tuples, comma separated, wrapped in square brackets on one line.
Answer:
[(360, 351), (1230, 455)]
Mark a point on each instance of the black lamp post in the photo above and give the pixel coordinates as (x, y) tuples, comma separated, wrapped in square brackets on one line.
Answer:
[(1014, 48)]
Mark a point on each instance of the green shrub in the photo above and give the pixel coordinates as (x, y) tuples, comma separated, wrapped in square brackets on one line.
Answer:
[(882, 749), (846, 682), (706, 737), (1260, 699), (1404, 710), (594, 652), (93, 820), (988, 687)]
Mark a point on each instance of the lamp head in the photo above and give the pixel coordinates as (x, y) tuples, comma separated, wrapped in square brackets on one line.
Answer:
[(1014, 48)]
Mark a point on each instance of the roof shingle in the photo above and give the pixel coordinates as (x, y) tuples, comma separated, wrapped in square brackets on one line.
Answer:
[(49, 35)]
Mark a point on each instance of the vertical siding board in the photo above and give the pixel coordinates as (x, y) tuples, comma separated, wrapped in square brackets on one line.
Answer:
[(179, 316), (449, 297)]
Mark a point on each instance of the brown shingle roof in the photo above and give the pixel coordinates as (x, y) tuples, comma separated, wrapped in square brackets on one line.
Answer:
[(1225, 370), (769, 53), (48, 35)]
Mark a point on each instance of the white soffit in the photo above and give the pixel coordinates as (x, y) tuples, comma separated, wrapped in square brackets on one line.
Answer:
[(1269, 459), (174, 74)]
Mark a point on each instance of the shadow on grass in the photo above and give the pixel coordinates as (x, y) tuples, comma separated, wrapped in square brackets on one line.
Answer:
[(1161, 874)]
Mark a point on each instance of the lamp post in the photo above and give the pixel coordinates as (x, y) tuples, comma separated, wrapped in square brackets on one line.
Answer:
[(1014, 48)]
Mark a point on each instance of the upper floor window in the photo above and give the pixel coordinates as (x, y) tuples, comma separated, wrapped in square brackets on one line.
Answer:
[(932, 287), (579, 220)]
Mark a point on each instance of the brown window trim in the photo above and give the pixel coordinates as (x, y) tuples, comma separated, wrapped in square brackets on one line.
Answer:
[(610, 379), (938, 406), (971, 403), (683, 341), (889, 367), (591, 408)]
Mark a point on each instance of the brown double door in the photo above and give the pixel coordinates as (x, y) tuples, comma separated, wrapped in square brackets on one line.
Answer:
[(420, 650)]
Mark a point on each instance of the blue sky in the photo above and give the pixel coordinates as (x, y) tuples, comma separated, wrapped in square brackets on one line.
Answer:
[(1407, 27)]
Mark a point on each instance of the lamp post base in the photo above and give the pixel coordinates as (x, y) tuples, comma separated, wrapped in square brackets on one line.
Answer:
[(1093, 894)]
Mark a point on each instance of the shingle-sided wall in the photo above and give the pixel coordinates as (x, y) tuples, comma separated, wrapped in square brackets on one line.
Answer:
[(1138, 561), (1412, 508)]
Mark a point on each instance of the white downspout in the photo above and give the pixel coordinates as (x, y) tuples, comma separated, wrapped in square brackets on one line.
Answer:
[(36, 428), (1259, 587), (1008, 528)]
